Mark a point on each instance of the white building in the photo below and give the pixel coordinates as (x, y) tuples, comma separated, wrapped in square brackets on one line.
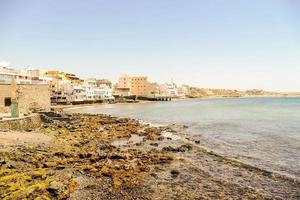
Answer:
[(89, 92), (168, 89), (183, 91), (105, 92), (78, 94), (94, 92), (27, 76)]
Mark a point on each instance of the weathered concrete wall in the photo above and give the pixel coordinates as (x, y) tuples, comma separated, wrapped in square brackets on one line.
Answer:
[(5, 91), (33, 97), (22, 124), (29, 97)]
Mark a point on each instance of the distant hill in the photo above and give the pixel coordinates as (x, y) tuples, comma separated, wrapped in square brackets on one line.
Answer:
[(196, 92)]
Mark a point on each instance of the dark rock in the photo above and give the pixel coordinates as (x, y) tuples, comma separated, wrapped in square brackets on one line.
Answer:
[(182, 148), (154, 144), (84, 155), (2, 162), (153, 175), (174, 173), (11, 165), (60, 167), (117, 157), (55, 188)]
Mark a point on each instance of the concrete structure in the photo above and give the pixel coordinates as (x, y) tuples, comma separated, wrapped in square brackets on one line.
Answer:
[(29, 98), (31, 122), (5, 98), (137, 85)]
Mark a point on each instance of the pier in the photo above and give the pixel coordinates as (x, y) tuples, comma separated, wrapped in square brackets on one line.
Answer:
[(160, 98)]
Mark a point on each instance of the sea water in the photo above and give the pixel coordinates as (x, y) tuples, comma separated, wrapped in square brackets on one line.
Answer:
[(263, 132)]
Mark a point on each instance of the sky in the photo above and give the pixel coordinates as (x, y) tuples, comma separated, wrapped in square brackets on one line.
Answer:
[(230, 44)]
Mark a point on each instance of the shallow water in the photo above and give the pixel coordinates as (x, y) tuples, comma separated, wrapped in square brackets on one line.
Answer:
[(264, 132)]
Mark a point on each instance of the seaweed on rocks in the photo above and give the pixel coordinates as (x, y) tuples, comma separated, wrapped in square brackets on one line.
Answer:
[(82, 163)]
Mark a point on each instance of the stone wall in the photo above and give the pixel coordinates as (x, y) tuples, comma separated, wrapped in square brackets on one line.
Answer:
[(5, 91), (30, 97), (31, 122), (33, 97)]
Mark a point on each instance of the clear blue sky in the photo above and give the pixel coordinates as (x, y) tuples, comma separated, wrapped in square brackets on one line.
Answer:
[(216, 43)]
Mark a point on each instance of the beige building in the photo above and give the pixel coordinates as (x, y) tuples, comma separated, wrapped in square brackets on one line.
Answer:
[(154, 90), (137, 85), (124, 81), (30, 98)]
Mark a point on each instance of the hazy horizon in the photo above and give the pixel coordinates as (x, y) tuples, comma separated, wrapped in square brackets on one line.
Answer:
[(209, 44)]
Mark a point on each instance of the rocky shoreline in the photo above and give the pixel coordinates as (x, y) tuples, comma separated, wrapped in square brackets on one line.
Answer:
[(105, 157)]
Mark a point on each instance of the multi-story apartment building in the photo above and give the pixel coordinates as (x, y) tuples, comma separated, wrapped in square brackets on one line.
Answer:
[(168, 89), (139, 86), (78, 94), (58, 79), (61, 85), (26, 76), (124, 81), (136, 85), (154, 90), (95, 91)]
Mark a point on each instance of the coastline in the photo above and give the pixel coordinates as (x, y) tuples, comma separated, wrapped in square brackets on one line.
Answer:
[(191, 140), (120, 158), (61, 108), (230, 155), (236, 157)]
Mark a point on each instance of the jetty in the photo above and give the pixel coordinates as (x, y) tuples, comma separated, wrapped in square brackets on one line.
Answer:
[(159, 98)]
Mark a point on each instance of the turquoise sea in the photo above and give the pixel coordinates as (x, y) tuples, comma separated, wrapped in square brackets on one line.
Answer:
[(264, 132)]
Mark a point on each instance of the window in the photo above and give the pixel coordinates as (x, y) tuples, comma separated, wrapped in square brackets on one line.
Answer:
[(7, 101)]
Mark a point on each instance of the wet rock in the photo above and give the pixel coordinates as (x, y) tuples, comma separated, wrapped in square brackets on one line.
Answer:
[(61, 154), (55, 188), (182, 148), (49, 164), (154, 144), (197, 141), (2, 162), (154, 175), (11, 165), (60, 167), (84, 155), (105, 171), (118, 156), (174, 173)]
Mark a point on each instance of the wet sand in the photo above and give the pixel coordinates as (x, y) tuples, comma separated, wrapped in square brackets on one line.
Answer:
[(104, 157), (14, 138)]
